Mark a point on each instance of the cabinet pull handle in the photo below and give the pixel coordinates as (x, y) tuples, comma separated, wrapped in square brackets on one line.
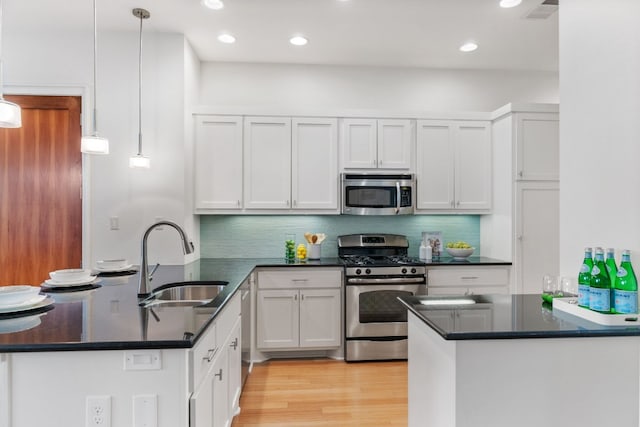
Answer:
[(520, 174), (458, 203), (299, 280), (234, 344), (469, 277), (451, 203), (302, 297), (238, 203), (373, 162), (219, 374), (295, 297), (210, 353)]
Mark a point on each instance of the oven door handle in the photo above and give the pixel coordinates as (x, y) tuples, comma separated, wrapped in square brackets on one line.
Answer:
[(363, 281)]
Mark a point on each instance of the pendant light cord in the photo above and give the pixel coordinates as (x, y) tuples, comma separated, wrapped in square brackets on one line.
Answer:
[(95, 69), (140, 91)]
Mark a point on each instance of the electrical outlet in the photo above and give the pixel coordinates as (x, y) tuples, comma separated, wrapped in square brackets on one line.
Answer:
[(98, 411)]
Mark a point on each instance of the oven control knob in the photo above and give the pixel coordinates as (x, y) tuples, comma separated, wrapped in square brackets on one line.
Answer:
[(358, 271), (413, 271), (404, 271), (368, 271)]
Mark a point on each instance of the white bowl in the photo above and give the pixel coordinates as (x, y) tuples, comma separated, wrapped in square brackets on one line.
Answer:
[(70, 275), (111, 264), (16, 294), (460, 253)]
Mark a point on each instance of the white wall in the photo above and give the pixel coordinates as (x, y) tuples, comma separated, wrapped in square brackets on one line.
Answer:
[(333, 88), (136, 197), (599, 128)]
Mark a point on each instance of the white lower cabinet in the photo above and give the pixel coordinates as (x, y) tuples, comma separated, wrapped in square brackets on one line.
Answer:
[(216, 373), (299, 310)]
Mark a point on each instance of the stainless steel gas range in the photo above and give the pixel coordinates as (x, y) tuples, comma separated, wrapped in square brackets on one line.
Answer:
[(377, 271)]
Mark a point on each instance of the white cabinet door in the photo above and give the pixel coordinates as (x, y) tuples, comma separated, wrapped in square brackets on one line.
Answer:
[(453, 165), (320, 318), (201, 404), (394, 144), (537, 225), (358, 140), (537, 146), (220, 404), (234, 348), (277, 318), (218, 158), (434, 174), (314, 149), (472, 165), (443, 318), (267, 162)]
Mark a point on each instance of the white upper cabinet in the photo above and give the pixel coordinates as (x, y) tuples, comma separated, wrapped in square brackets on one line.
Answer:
[(267, 162), (314, 148), (376, 144), (453, 165), (218, 162), (537, 137)]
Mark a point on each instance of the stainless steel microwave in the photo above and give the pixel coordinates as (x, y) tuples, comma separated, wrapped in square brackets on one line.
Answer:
[(377, 194)]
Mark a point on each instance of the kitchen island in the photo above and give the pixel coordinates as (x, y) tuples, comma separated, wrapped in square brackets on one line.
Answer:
[(509, 360), (159, 364)]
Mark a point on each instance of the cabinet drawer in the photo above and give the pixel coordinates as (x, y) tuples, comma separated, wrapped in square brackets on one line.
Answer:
[(300, 278), (466, 290), (202, 354), (468, 276)]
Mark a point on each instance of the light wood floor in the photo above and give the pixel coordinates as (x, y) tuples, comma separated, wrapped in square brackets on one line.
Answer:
[(313, 393)]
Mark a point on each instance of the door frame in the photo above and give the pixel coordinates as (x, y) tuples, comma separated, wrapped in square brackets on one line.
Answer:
[(85, 122)]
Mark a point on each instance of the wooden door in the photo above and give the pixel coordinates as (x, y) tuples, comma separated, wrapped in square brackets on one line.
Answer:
[(40, 190)]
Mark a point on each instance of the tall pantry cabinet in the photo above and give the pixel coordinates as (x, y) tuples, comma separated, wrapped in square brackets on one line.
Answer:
[(524, 226)]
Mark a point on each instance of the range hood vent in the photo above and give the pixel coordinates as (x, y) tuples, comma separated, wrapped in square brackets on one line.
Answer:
[(544, 10)]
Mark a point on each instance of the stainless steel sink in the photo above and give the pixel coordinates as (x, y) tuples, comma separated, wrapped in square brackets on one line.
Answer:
[(184, 294)]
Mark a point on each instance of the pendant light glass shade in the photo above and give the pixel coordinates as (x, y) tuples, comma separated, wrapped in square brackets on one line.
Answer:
[(10, 113), (94, 144), (139, 160)]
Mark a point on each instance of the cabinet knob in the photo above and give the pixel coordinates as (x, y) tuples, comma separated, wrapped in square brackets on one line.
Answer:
[(219, 374), (295, 297)]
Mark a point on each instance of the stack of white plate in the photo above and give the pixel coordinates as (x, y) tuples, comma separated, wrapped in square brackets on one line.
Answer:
[(68, 278), (112, 265), (19, 298)]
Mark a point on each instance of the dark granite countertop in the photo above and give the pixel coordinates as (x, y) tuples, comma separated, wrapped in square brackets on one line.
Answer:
[(506, 317), (109, 318), (472, 260)]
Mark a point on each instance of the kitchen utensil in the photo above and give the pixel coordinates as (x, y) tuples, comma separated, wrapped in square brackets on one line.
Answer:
[(314, 238), (460, 253), (321, 237), (16, 294), (307, 237), (70, 275)]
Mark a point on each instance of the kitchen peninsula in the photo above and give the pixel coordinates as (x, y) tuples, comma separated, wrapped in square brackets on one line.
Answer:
[(509, 360)]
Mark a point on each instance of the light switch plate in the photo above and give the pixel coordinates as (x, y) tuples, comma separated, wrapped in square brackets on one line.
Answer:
[(142, 360), (145, 410)]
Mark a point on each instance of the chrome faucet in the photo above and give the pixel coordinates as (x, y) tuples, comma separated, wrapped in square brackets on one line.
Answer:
[(145, 277)]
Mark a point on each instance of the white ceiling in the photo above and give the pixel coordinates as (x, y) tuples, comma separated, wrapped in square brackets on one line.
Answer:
[(398, 33)]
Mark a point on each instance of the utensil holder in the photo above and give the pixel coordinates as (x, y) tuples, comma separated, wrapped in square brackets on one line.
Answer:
[(314, 251)]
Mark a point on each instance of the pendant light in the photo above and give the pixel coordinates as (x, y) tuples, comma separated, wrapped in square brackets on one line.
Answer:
[(10, 113), (94, 144), (139, 160)]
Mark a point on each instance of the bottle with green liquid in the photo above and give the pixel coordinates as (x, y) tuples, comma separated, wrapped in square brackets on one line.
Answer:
[(612, 269), (584, 278), (600, 286), (625, 293)]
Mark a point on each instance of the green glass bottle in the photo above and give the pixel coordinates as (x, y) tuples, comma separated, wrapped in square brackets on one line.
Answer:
[(584, 278), (600, 287), (612, 268), (625, 293)]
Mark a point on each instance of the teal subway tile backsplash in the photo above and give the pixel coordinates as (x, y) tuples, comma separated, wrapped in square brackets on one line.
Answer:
[(262, 236)]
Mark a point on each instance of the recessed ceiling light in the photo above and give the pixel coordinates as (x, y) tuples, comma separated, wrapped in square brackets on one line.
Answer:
[(469, 47), (213, 4), (226, 38), (509, 3), (298, 41)]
